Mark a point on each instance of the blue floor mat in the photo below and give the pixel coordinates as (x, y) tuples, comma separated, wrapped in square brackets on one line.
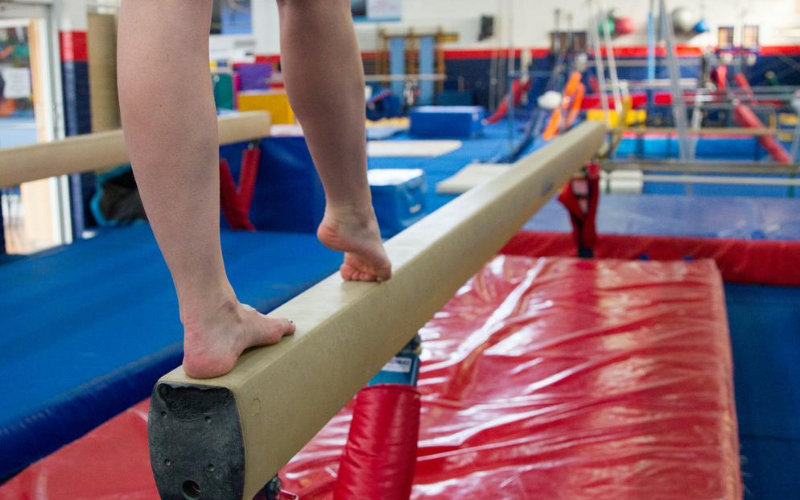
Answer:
[(692, 216), (770, 467), (87, 329), (765, 335)]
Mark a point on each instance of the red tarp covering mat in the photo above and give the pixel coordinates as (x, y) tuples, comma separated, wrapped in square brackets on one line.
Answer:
[(740, 261), (542, 378)]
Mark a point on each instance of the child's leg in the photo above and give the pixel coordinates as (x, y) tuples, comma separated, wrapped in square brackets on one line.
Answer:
[(170, 128), (325, 81)]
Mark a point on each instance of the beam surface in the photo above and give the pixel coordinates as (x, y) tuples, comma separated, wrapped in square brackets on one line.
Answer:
[(224, 438), (103, 150)]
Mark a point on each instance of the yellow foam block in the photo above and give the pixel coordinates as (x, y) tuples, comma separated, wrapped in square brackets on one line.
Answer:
[(274, 101), (632, 117)]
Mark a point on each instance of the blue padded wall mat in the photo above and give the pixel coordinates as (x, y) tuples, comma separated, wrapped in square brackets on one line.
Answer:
[(720, 149), (492, 142), (88, 328), (693, 216), (2, 233), (708, 148)]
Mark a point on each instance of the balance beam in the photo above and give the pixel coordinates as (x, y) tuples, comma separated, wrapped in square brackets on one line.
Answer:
[(103, 150), (225, 438)]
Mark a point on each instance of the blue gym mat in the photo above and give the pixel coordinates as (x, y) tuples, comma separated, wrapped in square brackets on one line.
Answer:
[(88, 328)]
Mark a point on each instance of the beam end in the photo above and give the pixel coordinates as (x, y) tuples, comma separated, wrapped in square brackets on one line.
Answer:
[(196, 444)]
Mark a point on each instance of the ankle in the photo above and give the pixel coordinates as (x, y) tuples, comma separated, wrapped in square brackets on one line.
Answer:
[(347, 213), (198, 309)]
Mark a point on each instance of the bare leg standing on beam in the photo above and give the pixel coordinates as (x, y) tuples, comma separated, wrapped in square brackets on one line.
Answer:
[(171, 132), (170, 129), (324, 78)]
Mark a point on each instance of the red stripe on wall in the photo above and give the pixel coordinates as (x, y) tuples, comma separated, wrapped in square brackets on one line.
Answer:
[(269, 59), (637, 52), (620, 52), (780, 50), (74, 47)]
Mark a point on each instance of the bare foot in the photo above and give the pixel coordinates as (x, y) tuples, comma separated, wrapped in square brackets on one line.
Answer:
[(358, 235), (212, 343)]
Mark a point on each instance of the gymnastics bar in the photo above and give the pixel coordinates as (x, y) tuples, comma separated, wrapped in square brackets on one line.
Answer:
[(432, 77), (225, 438), (103, 150), (721, 131), (734, 181), (697, 167)]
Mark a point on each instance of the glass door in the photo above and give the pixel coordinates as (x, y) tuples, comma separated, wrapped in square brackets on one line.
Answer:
[(35, 214)]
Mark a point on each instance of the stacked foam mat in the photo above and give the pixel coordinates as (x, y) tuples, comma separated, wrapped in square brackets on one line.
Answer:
[(542, 378)]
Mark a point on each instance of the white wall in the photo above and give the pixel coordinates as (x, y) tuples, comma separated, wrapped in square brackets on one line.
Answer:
[(531, 20), (528, 24)]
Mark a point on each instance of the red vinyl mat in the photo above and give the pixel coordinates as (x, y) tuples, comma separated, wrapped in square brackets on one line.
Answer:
[(541, 379), (764, 262)]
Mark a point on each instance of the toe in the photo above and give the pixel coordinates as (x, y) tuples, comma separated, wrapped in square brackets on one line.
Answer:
[(366, 276), (359, 270), (287, 327), (276, 329), (384, 273), (347, 271)]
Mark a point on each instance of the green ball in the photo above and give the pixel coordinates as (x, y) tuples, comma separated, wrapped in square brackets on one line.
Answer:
[(608, 26)]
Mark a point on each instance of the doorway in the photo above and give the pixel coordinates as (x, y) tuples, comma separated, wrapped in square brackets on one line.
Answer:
[(35, 214)]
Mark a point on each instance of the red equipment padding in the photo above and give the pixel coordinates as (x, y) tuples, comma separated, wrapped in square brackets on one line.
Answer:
[(594, 85), (743, 84), (518, 89), (232, 204), (247, 177), (719, 76), (592, 101), (639, 100), (744, 117), (542, 378), (580, 197), (381, 451), (765, 262)]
